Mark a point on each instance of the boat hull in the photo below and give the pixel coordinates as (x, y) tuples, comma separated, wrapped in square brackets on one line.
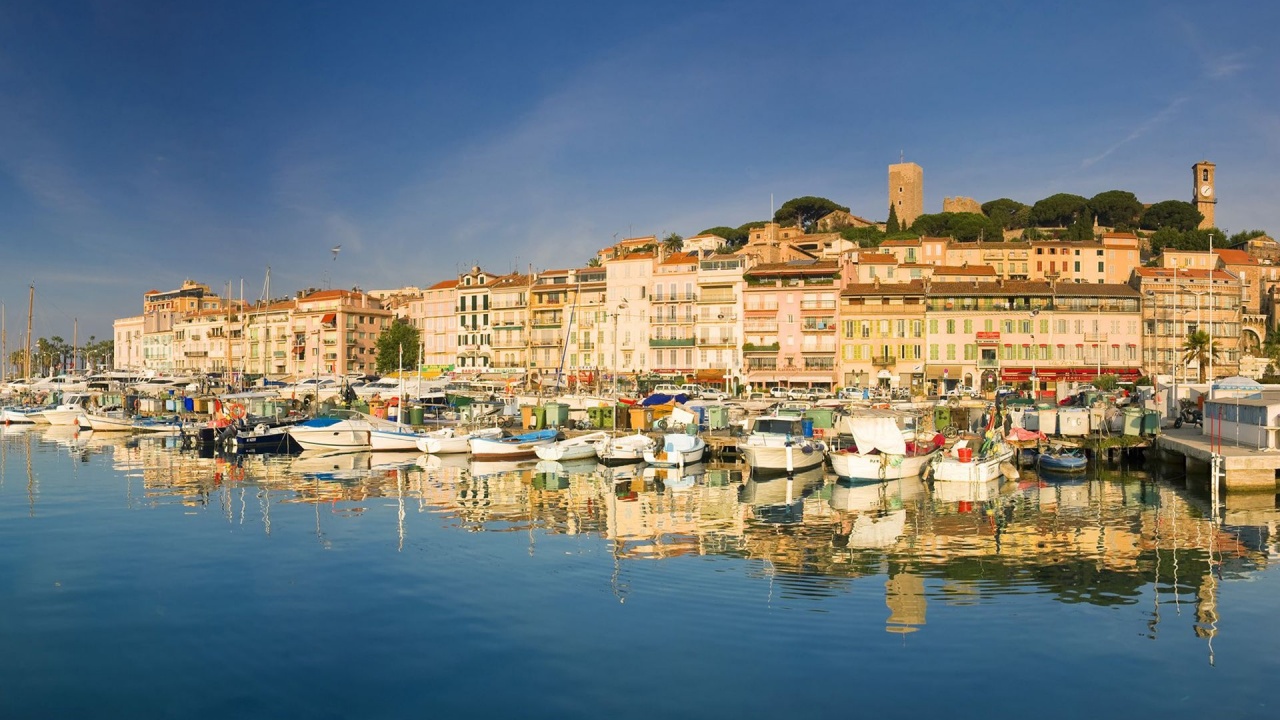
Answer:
[(106, 423), (878, 466), (783, 458), (330, 438), (1062, 464), (519, 447), (18, 417), (394, 440), (677, 451), (950, 469)]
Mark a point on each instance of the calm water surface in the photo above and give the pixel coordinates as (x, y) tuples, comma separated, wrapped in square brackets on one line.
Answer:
[(140, 580)]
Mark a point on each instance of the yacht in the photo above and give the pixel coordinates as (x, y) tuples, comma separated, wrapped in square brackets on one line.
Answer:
[(777, 443)]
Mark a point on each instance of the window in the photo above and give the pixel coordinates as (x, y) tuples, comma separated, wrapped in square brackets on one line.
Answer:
[(1100, 266), (951, 352)]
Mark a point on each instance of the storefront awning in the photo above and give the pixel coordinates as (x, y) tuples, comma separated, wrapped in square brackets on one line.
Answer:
[(1067, 374), (951, 372)]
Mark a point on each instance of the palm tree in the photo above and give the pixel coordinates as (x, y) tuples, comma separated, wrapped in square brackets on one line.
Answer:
[(673, 243), (1198, 347)]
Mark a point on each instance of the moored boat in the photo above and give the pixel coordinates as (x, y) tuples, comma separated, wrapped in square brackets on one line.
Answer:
[(576, 448), (624, 450), (885, 447), (448, 441), (777, 443), (107, 421), (343, 430), (678, 450), (1062, 460), (962, 464), (515, 447)]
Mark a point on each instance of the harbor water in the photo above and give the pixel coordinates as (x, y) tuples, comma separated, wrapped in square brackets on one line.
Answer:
[(139, 579)]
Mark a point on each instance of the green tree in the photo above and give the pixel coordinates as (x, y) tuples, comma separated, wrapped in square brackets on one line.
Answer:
[(804, 212), (1174, 214), (961, 226), (594, 261), (1198, 347), (892, 225), (1058, 210), (1244, 236), (1081, 229), (864, 236), (400, 335), (733, 236), (672, 242), (1106, 383), (1008, 214), (1116, 208)]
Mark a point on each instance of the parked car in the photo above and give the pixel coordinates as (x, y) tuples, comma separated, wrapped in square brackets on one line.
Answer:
[(962, 391), (668, 389), (778, 391), (849, 393), (800, 394), (691, 389), (714, 395)]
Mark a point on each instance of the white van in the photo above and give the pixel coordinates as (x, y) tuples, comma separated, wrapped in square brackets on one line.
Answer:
[(693, 390), (667, 389)]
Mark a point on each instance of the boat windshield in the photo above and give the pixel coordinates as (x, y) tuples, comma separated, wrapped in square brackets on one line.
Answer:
[(781, 426)]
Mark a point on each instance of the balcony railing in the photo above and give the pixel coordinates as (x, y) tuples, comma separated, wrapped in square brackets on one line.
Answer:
[(718, 342), (818, 305), (724, 298), (988, 363), (884, 360), (1095, 337), (753, 347), (819, 363), (819, 326), (197, 353), (671, 342), (762, 364), (759, 327), (678, 297), (761, 308), (543, 340)]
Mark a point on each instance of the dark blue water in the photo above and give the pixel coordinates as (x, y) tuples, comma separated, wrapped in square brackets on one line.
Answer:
[(139, 580)]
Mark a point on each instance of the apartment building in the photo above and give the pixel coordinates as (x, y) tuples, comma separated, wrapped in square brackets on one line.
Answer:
[(439, 326), (719, 322), (629, 276), (672, 301), (1180, 300), (335, 332), (514, 340), (882, 335), (475, 354), (789, 323)]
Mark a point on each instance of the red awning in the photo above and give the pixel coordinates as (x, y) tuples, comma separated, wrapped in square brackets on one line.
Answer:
[(329, 319)]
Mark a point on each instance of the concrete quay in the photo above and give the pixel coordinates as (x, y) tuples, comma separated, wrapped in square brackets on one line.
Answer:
[(1245, 468)]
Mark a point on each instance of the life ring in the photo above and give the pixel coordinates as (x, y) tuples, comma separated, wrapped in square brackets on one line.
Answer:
[(236, 410)]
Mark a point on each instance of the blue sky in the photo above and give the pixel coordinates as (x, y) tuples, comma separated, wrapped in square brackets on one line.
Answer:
[(145, 142)]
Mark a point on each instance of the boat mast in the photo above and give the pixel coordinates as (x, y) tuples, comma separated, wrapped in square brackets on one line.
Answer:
[(4, 344), (75, 343), (31, 302)]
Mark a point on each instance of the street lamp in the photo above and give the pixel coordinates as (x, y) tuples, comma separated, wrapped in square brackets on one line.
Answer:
[(622, 305), (1035, 380)]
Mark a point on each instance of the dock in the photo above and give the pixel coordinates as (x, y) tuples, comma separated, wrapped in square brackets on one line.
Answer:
[(1244, 468)]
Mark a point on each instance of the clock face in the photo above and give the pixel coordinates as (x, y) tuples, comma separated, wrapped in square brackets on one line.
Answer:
[(1206, 190)]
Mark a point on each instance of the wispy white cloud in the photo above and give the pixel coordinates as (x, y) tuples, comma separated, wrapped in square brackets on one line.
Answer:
[(1224, 66), (1142, 129)]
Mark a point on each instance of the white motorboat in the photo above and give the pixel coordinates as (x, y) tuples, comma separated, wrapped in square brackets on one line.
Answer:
[(962, 464), (884, 447), (402, 437), (577, 448), (158, 426), (448, 441), (678, 450), (777, 444), (107, 421), (68, 412), (343, 430), (21, 415), (515, 447), (624, 450)]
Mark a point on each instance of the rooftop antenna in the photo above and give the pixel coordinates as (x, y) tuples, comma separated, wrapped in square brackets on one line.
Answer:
[(902, 156)]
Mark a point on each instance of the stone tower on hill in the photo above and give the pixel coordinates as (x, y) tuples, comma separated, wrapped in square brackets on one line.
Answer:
[(906, 191), (1204, 191)]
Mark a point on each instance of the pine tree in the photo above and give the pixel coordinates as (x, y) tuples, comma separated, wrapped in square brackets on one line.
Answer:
[(892, 225)]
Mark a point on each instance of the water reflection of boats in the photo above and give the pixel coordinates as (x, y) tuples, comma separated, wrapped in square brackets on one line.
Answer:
[(867, 497), (438, 463), (329, 465), (966, 491), (485, 468), (391, 460), (780, 498), (676, 478)]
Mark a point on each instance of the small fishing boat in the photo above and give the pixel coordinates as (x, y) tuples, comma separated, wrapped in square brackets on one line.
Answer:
[(1062, 460), (107, 421), (265, 438), (67, 412), (22, 415), (885, 447), (448, 441), (577, 448), (515, 447), (777, 444), (341, 430), (158, 425), (678, 450), (962, 464), (401, 437), (624, 450)]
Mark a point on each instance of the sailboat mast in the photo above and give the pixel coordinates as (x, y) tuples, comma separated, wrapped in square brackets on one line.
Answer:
[(31, 303), (75, 344), (4, 345)]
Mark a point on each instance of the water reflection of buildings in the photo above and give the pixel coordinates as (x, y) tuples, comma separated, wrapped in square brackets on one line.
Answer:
[(1110, 541)]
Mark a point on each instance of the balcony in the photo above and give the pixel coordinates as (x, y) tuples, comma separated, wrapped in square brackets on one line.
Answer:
[(753, 347), (1095, 337), (678, 297), (884, 360), (818, 305), (762, 364), (818, 325), (772, 309), (671, 342), (764, 328), (197, 353), (545, 340), (819, 364), (722, 298), (823, 349), (988, 363), (718, 342)]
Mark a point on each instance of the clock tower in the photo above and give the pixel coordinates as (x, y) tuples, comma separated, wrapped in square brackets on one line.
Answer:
[(1204, 196)]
